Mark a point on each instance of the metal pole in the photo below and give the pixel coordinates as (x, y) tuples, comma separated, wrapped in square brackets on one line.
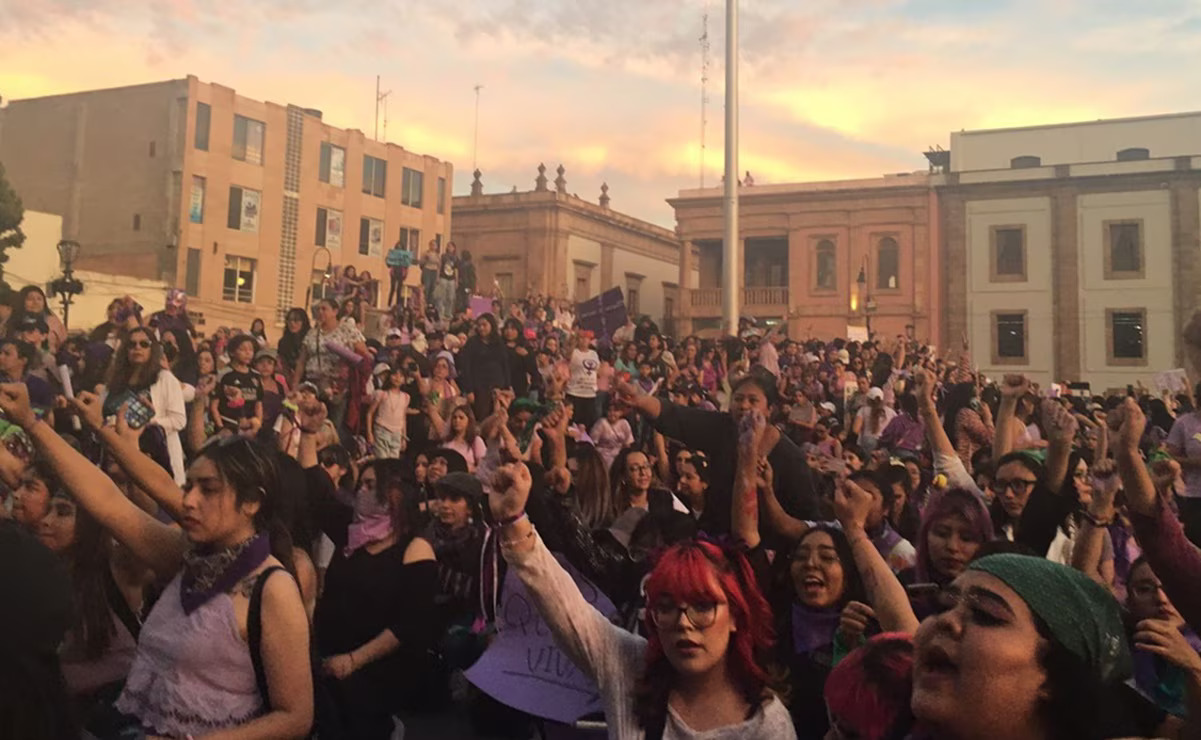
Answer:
[(731, 254), (376, 136), (475, 146)]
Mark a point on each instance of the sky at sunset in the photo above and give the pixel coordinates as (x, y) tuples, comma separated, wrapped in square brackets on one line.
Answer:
[(831, 89)]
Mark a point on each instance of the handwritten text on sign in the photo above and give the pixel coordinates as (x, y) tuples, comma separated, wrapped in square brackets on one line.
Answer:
[(524, 669)]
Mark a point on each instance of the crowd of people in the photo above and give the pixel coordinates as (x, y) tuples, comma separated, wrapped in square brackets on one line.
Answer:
[(234, 535)]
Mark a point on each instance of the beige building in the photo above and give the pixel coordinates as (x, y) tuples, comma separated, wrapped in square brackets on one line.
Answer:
[(37, 263), (554, 243), (829, 258), (242, 203), (1071, 251)]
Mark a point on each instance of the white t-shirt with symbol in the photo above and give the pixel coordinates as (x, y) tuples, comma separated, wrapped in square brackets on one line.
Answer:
[(582, 380)]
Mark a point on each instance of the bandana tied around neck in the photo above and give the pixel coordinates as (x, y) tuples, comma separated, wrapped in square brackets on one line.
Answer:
[(208, 571), (372, 522)]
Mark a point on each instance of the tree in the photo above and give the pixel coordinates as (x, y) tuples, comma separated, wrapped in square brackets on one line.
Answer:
[(11, 215)]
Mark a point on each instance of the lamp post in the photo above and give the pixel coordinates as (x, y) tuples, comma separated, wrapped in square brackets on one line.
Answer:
[(67, 287), (326, 273)]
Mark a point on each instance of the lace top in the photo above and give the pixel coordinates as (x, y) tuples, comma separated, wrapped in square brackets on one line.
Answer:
[(192, 673)]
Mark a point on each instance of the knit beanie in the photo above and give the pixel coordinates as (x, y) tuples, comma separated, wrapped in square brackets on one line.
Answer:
[(1080, 614)]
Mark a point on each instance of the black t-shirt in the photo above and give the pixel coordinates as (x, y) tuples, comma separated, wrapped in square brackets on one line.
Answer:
[(237, 394), (450, 267)]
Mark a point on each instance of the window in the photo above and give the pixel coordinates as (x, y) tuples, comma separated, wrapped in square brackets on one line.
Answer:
[(504, 283), (332, 168), (411, 239), (1026, 161), (825, 269), (441, 195), (633, 293), (669, 307), (204, 120), (152, 149), (1008, 259), (1009, 338), (371, 236), (192, 273), (1134, 154), (888, 264), (137, 222), (238, 285), (329, 228), (1123, 249), (248, 140), (375, 176), (321, 287), (1127, 340), (196, 202), (412, 188), (243, 209)]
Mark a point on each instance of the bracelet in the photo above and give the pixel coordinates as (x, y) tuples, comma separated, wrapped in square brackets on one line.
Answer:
[(1095, 520), (509, 521), (510, 544)]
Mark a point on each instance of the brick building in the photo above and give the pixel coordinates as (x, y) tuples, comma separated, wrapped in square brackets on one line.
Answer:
[(242, 203), (1071, 251), (551, 242), (827, 257)]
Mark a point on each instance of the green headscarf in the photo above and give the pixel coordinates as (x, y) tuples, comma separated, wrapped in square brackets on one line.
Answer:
[(1080, 614)]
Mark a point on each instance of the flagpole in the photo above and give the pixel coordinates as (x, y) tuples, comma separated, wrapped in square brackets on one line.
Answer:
[(731, 254)]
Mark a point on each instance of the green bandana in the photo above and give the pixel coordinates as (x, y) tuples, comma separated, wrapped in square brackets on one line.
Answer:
[(1080, 614)]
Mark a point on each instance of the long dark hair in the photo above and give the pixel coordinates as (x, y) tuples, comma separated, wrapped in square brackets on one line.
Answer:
[(394, 476), (122, 375), (252, 470), (183, 365), (959, 397)]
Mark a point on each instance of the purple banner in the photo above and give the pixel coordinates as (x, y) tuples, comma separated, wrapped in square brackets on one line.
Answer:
[(603, 314), (524, 669)]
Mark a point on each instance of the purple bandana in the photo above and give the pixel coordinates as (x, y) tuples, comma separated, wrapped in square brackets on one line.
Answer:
[(209, 571)]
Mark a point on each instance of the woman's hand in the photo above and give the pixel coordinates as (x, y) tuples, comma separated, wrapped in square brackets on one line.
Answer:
[(14, 402), (339, 666), (1060, 424), (310, 417), (1013, 387), (923, 387), (1106, 484), (852, 504), (1126, 425), (208, 383), (1164, 639), (510, 491), (853, 622), (766, 479), (124, 430), (90, 409)]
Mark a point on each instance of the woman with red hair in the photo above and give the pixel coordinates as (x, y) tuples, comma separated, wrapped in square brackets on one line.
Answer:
[(702, 667)]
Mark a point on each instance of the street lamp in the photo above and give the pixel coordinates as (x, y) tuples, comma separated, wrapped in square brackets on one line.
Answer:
[(67, 287)]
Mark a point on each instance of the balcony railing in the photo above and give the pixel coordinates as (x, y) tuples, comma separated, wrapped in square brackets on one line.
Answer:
[(711, 297)]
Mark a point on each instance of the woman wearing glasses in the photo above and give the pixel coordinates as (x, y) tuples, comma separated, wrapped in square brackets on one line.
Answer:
[(702, 668), (149, 393)]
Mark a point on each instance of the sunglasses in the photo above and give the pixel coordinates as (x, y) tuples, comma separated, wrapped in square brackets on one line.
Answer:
[(141, 343), (1017, 485)]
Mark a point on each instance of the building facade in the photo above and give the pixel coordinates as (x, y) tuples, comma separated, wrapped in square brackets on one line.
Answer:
[(244, 204), (829, 258), (1071, 251), (552, 243)]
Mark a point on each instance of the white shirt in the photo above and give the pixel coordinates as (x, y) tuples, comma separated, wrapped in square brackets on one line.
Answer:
[(582, 380)]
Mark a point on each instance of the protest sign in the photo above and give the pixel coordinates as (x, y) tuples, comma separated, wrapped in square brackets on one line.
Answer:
[(602, 315), (524, 669), (480, 305), (1171, 381)]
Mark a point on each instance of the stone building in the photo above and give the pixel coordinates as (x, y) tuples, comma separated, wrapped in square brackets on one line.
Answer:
[(554, 243), (243, 203), (830, 258), (1071, 251)]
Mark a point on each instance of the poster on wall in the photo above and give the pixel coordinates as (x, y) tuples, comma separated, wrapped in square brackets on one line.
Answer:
[(337, 166), (375, 239), (333, 230), (250, 210), (196, 204)]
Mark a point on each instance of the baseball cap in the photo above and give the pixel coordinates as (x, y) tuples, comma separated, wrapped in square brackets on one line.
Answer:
[(30, 323), (829, 406), (394, 332), (381, 367), (844, 357), (876, 394)]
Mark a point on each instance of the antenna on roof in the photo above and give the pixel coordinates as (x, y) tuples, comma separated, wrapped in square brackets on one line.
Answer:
[(379, 98), (704, 39)]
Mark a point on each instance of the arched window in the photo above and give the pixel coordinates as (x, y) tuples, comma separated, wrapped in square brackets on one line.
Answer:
[(1134, 154), (888, 264), (1025, 161)]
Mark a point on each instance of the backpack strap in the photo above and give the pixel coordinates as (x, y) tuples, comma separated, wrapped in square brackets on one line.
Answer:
[(254, 633)]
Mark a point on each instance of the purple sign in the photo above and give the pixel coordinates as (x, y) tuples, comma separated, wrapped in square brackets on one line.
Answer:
[(524, 669), (602, 315), (480, 305)]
